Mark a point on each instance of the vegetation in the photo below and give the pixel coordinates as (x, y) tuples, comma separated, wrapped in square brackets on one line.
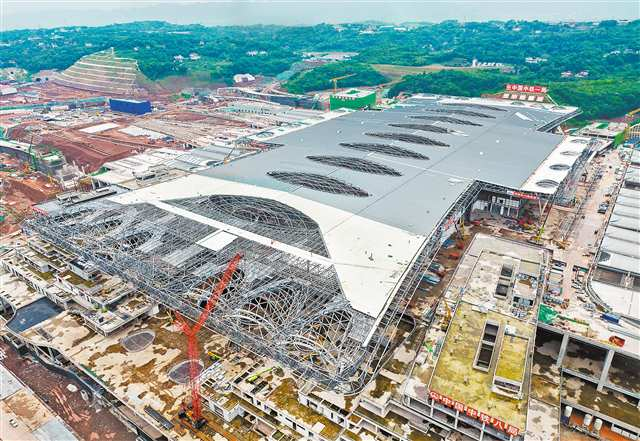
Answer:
[(320, 77), (533, 52), (605, 98), (450, 82)]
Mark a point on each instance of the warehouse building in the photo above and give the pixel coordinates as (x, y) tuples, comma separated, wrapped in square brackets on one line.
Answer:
[(616, 279), (135, 107)]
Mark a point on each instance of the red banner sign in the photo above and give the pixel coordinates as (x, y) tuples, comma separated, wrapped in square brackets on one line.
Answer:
[(521, 195), (526, 88), (473, 413)]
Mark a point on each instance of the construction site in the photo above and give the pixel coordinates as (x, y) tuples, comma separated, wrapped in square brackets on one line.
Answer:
[(231, 267)]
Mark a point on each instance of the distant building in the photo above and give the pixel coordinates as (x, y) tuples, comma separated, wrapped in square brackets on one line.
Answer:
[(352, 99), (535, 60), (243, 78), (43, 76), (255, 53), (130, 106), (8, 91)]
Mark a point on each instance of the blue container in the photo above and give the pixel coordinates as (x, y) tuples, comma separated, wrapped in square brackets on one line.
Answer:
[(129, 106), (610, 317)]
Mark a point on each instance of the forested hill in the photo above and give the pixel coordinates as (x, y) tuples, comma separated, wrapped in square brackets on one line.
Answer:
[(605, 53)]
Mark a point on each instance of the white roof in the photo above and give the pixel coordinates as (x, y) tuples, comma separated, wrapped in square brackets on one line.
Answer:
[(563, 157), (354, 93), (138, 131), (621, 301), (123, 170), (99, 128), (9, 384), (369, 257)]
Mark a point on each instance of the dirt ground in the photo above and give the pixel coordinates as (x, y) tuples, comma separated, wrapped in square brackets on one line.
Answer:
[(88, 423)]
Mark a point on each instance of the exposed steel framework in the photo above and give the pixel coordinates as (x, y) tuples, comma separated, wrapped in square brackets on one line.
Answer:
[(279, 305)]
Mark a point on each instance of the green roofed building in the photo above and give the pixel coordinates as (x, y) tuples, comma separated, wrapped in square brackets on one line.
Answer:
[(353, 99)]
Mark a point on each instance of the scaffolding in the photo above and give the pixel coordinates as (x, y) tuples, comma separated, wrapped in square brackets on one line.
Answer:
[(566, 193), (278, 305)]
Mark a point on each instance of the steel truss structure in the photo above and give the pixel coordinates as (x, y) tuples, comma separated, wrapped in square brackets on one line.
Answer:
[(278, 305), (566, 193)]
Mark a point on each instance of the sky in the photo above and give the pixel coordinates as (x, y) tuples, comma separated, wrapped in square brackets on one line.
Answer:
[(20, 14)]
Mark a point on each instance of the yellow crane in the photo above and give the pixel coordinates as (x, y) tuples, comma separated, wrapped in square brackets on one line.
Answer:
[(633, 112), (336, 79)]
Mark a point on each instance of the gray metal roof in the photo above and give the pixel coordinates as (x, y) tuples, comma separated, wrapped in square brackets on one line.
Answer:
[(505, 149), (629, 193), (622, 234), (619, 262), (627, 201), (620, 248)]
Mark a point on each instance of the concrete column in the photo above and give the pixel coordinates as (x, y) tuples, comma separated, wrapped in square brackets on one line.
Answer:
[(605, 369), (563, 350)]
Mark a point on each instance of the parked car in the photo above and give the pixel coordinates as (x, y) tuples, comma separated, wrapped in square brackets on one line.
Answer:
[(430, 278), (437, 268), (603, 207)]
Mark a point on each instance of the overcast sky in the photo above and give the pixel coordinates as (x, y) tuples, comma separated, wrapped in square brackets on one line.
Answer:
[(18, 14)]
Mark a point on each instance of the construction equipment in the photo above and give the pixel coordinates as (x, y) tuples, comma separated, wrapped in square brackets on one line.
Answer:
[(618, 341), (336, 79), (192, 340), (213, 356), (633, 112), (447, 317), (257, 375), (539, 232), (462, 230)]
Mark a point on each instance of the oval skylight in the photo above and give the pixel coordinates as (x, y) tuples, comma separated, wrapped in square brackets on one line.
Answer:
[(547, 183)]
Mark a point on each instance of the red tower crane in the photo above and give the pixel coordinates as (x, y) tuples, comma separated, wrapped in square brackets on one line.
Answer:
[(192, 339)]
